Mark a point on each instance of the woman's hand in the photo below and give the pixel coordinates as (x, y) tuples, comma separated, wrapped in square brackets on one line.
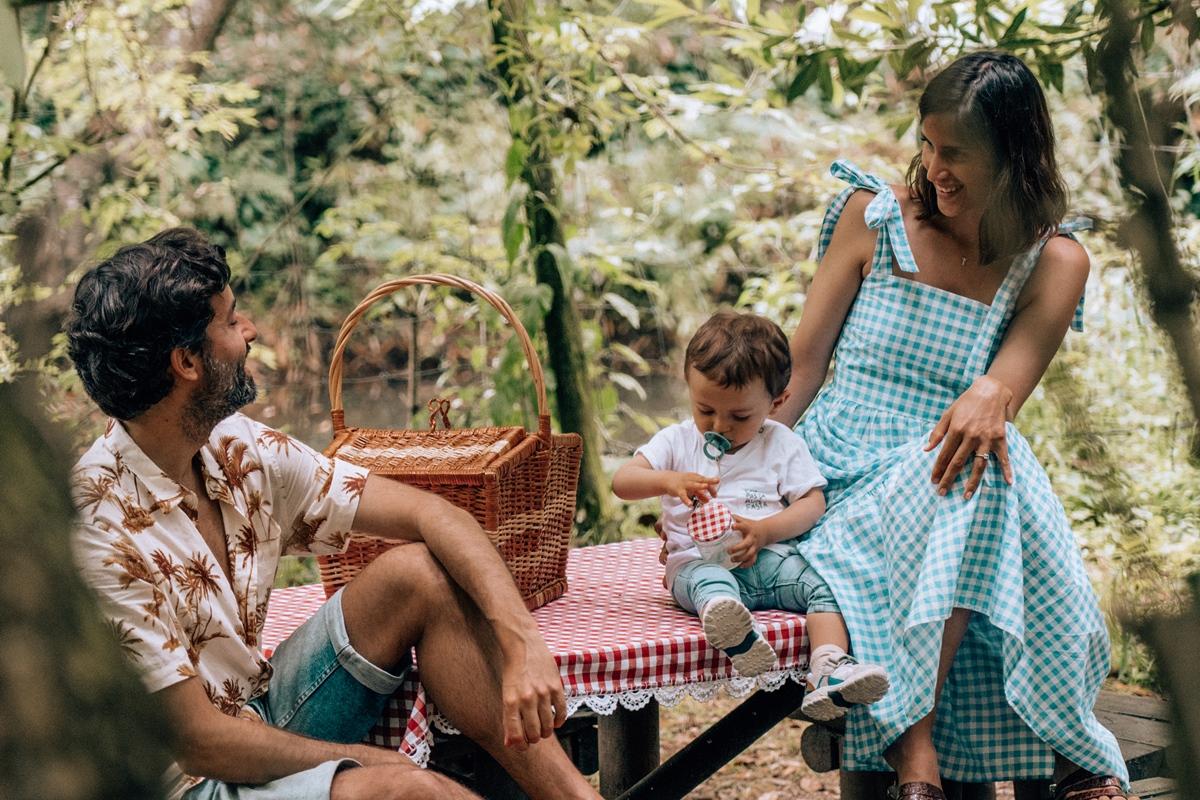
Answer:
[(972, 429)]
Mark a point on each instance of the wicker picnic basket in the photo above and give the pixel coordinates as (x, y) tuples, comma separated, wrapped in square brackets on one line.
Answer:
[(519, 485)]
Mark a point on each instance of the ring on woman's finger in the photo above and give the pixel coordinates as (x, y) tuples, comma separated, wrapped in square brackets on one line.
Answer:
[(984, 456)]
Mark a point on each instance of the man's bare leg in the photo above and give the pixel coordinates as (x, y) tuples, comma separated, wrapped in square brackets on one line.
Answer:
[(404, 598), (396, 783)]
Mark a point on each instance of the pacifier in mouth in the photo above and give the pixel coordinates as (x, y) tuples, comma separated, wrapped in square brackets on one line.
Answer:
[(716, 445)]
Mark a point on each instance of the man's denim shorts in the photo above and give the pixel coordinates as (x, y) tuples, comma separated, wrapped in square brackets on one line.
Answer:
[(321, 688)]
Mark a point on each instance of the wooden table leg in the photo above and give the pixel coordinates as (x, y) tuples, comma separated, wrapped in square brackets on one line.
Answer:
[(718, 745), (628, 743)]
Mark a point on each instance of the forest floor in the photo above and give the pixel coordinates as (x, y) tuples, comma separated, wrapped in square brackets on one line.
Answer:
[(770, 769)]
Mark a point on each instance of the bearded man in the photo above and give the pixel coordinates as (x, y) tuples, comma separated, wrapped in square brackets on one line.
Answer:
[(185, 509)]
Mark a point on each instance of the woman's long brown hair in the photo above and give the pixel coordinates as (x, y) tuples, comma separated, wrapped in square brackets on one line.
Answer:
[(995, 98)]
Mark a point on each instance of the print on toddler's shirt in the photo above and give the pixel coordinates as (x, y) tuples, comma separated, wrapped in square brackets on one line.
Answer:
[(755, 500)]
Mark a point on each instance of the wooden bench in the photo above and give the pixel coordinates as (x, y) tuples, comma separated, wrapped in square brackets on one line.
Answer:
[(1139, 723)]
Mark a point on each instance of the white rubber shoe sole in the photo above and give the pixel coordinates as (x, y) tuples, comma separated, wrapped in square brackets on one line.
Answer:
[(726, 624), (831, 700)]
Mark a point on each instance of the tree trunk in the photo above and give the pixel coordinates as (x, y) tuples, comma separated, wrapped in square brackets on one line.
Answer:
[(568, 360), (75, 722), (1171, 288)]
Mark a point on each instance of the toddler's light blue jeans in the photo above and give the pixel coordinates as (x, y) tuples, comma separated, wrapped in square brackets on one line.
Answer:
[(772, 581)]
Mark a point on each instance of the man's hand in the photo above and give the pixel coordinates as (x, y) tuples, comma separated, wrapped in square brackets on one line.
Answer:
[(690, 487), (755, 537), (531, 690)]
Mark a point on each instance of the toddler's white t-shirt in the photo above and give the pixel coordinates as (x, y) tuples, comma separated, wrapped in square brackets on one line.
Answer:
[(770, 472)]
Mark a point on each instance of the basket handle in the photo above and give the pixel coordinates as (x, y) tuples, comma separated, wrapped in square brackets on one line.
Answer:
[(337, 413)]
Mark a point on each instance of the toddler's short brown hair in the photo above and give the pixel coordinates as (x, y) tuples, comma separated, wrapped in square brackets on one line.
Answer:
[(733, 349)]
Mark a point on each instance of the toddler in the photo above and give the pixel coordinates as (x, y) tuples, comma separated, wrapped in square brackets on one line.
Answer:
[(730, 455)]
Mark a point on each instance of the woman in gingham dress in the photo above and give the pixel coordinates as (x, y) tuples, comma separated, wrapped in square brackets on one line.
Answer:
[(944, 542)]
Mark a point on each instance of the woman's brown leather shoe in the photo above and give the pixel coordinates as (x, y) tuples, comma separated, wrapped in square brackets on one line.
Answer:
[(917, 791), (1080, 785)]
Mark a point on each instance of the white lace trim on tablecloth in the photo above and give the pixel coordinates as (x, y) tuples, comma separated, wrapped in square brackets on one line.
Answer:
[(606, 704), (420, 755)]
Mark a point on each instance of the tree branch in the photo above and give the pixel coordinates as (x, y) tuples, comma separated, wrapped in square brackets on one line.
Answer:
[(1172, 289)]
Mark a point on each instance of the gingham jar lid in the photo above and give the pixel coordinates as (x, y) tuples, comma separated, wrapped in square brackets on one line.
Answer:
[(710, 521)]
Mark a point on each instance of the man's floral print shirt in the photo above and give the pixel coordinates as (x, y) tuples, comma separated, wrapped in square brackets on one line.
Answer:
[(172, 609)]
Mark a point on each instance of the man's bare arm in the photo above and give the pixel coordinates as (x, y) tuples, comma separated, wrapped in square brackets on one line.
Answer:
[(531, 681), (235, 750)]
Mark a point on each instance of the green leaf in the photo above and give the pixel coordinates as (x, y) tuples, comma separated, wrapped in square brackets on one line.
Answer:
[(752, 8), (992, 23), (668, 10), (1052, 73), (872, 15), (628, 383), (825, 80), (626, 352), (806, 75), (1147, 41), (853, 73), (1014, 25), (12, 55), (514, 162), (512, 229), (915, 55), (625, 308)]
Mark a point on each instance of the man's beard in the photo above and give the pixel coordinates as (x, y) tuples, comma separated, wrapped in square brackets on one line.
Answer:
[(227, 387)]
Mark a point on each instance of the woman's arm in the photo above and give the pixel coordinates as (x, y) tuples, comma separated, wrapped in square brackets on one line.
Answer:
[(1043, 315), (830, 296), (974, 423)]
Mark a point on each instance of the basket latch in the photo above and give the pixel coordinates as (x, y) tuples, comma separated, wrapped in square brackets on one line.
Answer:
[(439, 407)]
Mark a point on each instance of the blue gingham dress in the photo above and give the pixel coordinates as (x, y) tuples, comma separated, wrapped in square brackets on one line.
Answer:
[(899, 558)]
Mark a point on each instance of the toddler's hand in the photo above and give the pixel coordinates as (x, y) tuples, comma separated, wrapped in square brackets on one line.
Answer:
[(691, 487), (754, 538)]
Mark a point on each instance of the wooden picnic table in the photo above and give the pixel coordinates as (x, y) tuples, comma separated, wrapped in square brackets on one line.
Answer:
[(624, 649)]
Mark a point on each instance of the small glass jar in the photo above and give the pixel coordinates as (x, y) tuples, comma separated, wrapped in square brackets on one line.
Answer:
[(711, 528)]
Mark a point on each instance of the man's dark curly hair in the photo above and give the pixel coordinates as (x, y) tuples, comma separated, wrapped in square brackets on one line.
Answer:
[(132, 310)]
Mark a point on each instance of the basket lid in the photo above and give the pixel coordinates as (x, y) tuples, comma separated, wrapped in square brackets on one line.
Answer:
[(466, 450)]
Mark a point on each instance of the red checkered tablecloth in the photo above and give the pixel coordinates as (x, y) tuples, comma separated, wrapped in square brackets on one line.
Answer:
[(617, 635)]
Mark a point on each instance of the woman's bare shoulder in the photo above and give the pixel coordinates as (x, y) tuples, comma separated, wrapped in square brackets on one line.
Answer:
[(1060, 273), (1064, 264)]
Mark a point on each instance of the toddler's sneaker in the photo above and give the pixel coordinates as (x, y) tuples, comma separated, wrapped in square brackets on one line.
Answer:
[(729, 627), (841, 684)]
